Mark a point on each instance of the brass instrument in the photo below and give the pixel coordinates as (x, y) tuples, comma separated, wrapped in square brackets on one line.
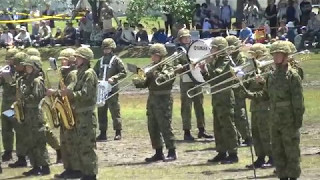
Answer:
[(19, 103)]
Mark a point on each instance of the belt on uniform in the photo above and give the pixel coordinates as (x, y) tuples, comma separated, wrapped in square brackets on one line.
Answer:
[(31, 105), (164, 92), (85, 109), (283, 104)]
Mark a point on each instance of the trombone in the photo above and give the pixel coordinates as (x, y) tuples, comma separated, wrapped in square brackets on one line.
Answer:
[(195, 63)]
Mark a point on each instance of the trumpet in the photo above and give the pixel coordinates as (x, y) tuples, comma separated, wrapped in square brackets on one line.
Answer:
[(193, 65)]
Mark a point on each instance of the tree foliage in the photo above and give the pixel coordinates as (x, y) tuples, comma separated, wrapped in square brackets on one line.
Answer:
[(181, 10)]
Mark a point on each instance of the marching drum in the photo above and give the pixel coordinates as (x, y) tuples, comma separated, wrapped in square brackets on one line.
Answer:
[(198, 49)]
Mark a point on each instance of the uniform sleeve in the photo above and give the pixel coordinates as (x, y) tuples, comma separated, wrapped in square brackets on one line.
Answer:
[(88, 89), (259, 95), (214, 71), (71, 80), (96, 67), (297, 99), (38, 90), (122, 71), (166, 73), (140, 83)]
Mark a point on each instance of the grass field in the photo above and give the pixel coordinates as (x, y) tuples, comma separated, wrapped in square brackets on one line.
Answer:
[(125, 159)]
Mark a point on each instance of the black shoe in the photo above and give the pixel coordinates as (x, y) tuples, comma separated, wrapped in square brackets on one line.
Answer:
[(269, 163), (7, 156), (59, 158), (0, 169), (156, 157), (247, 142), (203, 134), (231, 159), (292, 178), (284, 178), (118, 135), (74, 175), (36, 171), (102, 137), (45, 170), (88, 177), (21, 162), (218, 158), (63, 175), (172, 156), (188, 136), (257, 164)]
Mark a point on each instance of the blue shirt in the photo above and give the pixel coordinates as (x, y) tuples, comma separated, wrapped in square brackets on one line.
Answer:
[(245, 33)]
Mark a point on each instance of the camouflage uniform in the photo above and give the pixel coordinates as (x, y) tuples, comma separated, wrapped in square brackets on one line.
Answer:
[(159, 106), (223, 107), (83, 100), (284, 89), (240, 116), (115, 71), (291, 61), (8, 98), (187, 82), (33, 90)]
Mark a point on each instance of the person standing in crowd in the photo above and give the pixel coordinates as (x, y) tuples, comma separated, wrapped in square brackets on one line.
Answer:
[(251, 13), (159, 105), (168, 20), (216, 10), (49, 12), (271, 15), (34, 13), (291, 12), (196, 19), (187, 82), (223, 106), (107, 13), (306, 9), (114, 73), (86, 26), (83, 97), (284, 89), (226, 14), (282, 10)]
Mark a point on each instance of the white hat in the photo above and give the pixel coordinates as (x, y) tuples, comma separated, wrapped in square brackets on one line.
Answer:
[(290, 24), (23, 28)]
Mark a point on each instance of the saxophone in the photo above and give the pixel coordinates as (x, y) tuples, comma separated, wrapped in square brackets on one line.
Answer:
[(19, 103)]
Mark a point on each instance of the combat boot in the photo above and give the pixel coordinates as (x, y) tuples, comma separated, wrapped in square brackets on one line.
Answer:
[(35, 171), (118, 135), (88, 177), (202, 134), (231, 159), (268, 164), (257, 164), (7, 156), (172, 156), (219, 157), (188, 136), (102, 137), (284, 178), (0, 169), (21, 162), (59, 158), (63, 175), (292, 178), (156, 157), (45, 170), (74, 174)]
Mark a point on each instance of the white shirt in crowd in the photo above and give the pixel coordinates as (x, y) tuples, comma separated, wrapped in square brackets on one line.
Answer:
[(23, 36), (34, 14), (127, 35), (43, 33), (6, 38), (252, 14)]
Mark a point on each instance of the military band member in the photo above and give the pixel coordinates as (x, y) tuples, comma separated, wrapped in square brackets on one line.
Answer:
[(33, 90), (8, 98), (83, 96), (114, 73), (223, 106), (67, 136), (284, 89), (292, 61), (240, 114), (187, 82), (159, 105), (260, 112)]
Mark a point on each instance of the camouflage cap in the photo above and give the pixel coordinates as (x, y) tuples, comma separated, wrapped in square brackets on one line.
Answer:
[(258, 49), (109, 43), (85, 53), (183, 33), (292, 47), (66, 54), (11, 53), (33, 52), (33, 61), (158, 49), (233, 40), (219, 42), (20, 57), (280, 47)]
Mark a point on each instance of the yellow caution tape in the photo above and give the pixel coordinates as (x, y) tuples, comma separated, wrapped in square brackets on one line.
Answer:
[(39, 19)]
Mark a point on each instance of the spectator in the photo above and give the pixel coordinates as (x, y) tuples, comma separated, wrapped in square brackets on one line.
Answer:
[(107, 13), (85, 26), (168, 20), (216, 27), (271, 15), (291, 12), (57, 38), (196, 18), (282, 10), (49, 12), (234, 29), (44, 34), (267, 30), (313, 30), (96, 37), (127, 35), (216, 10), (69, 34), (251, 13), (34, 13), (210, 7), (36, 31), (292, 31), (23, 38), (6, 38), (205, 12), (206, 28), (160, 36), (142, 36), (306, 8), (23, 17), (282, 30), (117, 35), (226, 14), (5, 16), (298, 38), (246, 34), (15, 31)]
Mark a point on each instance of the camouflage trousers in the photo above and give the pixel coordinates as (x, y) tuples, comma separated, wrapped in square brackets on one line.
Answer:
[(68, 148), (186, 106), (240, 117), (159, 113), (261, 132), (51, 139), (223, 122), (7, 126), (85, 142), (114, 106)]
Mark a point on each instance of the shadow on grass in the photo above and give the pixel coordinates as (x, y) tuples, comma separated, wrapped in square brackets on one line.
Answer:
[(206, 149), (133, 164), (264, 177), (17, 177), (195, 141)]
